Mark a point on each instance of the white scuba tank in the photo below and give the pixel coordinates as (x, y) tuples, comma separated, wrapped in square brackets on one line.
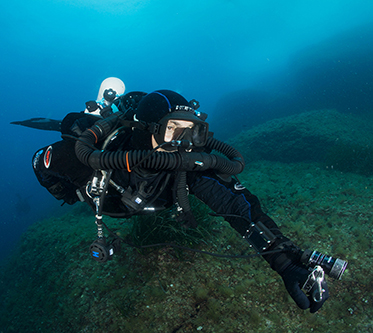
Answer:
[(111, 83)]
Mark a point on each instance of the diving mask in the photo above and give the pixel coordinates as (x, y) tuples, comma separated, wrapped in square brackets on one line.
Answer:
[(180, 126)]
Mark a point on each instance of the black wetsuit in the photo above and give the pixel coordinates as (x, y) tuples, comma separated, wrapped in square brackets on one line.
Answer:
[(63, 174)]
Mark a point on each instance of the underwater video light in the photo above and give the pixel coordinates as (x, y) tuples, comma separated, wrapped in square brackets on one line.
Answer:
[(332, 266)]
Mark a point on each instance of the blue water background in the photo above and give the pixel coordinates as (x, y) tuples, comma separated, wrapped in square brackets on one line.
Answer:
[(54, 55)]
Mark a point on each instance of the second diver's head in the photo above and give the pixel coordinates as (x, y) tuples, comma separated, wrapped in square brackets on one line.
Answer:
[(170, 117)]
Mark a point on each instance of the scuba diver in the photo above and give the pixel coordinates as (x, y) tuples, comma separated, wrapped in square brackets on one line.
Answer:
[(140, 153)]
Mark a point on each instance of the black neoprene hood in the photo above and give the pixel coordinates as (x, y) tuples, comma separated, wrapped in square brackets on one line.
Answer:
[(156, 109), (154, 106)]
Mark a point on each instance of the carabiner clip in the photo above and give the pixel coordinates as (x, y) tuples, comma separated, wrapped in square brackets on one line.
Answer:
[(314, 281)]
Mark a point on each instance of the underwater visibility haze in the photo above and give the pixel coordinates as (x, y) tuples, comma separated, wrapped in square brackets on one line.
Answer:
[(287, 83)]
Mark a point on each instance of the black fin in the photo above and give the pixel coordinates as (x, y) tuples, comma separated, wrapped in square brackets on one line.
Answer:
[(45, 124)]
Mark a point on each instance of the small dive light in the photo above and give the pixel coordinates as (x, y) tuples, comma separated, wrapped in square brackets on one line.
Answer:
[(101, 251)]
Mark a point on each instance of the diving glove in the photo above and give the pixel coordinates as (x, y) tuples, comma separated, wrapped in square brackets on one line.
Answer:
[(286, 259), (295, 277), (306, 286)]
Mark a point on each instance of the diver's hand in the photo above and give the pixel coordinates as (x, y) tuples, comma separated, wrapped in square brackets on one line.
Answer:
[(295, 276)]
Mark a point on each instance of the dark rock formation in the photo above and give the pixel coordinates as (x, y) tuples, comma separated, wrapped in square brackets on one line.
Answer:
[(335, 139)]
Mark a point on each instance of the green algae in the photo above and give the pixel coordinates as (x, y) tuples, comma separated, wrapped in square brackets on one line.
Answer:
[(51, 284)]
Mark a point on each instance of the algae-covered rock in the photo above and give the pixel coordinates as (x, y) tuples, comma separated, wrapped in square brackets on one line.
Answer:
[(51, 284), (337, 140)]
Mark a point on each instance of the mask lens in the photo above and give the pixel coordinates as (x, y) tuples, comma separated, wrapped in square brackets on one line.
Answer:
[(199, 135), (175, 128), (186, 130), (178, 133)]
